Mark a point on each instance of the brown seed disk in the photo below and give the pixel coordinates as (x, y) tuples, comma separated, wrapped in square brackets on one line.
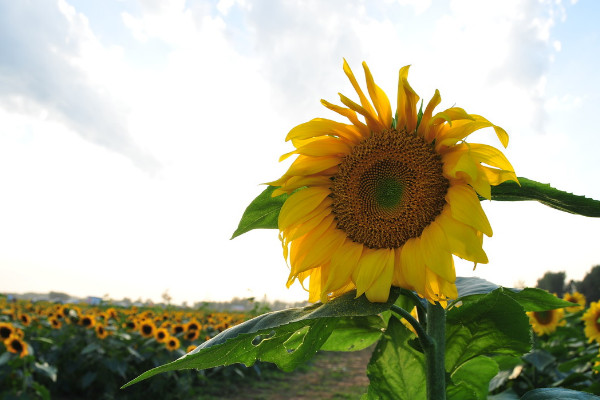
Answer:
[(388, 189)]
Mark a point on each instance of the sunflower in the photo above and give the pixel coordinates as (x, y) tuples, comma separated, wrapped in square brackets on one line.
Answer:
[(546, 322), (6, 330), (147, 328), (161, 335), (88, 321), (193, 325), (131, 324), (25, 319), (576, 298), (101, 331), (177, 328), (190, 348), (592, 322), (16, 345), (191, 335), (55, 322), (172, 343), (387, 201)]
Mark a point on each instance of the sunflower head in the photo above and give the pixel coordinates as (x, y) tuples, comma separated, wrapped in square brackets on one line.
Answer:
[(172, 343), (6, 330), (191, 347), (546, 322), (101, 331), (88, 321), (17, 345), (386, 199), (161, 335), (591, 319), (577, 298), (147, 328), (55, 323), (191, 335)]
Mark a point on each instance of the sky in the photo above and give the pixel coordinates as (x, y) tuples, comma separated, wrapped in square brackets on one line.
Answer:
[(134, 133)]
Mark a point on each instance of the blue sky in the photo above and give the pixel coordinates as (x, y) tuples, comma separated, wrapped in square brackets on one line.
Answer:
[(134, 133)]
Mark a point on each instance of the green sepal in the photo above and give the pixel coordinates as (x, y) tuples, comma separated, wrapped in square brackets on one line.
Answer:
[(546, 194), (262, 212), (287, 338), (396, 369)]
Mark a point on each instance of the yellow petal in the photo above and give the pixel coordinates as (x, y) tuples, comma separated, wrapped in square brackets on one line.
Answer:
[(379, 98), (314, 290), (322, 249), (343, 263), (436, 253), (379, 291), (497, 176), (462, 239), (370, 266), (425, 119), (314, 128), (413, 266), (306, 224), (327, 146), (407, 102), (466, 208), (304, 165), (300, 204), (348, 113), (363, 99), (301, 247), (296, 182), (370, 118)]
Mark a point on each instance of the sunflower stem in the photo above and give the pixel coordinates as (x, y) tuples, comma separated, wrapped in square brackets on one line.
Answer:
[(434, 353), (421, 334)]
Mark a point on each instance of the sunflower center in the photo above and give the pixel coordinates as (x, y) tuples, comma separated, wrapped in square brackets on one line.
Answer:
[(543, 317), (388, 189)]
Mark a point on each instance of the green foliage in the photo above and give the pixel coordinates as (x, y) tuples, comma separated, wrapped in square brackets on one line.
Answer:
[(546, 194), (261, 213), (554, 282), (396, 370), (557, 393)]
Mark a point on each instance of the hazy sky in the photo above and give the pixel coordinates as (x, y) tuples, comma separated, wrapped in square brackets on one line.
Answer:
[(133, 134)]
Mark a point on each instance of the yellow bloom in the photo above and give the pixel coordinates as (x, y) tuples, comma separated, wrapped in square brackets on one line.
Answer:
[(190, 348), (55, 323), (161, 335), (147, 328), (88, 320), (592, 322), (172, 343), (6, 329), (387, 201), (546, 322), (101, 331), (576, 298), (17, 345)]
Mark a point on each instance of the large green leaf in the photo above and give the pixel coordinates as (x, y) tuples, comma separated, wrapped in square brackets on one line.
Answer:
[(470, 381), (493, 324), (546, 194), (262, 213), (287, 338), (355, 333), (557, 393), (396, 370)]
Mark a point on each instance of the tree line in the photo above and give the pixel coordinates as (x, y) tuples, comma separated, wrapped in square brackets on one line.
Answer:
[(554, 282)]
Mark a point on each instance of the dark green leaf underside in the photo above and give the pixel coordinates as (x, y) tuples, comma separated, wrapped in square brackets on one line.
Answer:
[(262, 213)]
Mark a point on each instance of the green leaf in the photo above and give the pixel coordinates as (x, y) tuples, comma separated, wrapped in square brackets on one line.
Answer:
[(355, 333), (262, 213), (506, 395), (492, 324), (557, 393), (546, 194), (396, 370), (467, 286), (471, 379), (540, 359), (287, 338)]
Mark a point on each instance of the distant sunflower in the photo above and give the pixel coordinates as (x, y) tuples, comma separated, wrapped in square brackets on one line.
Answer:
[(25, 319), (193, 325), (177, 328), (546, 322), (6, 330), (576, 298), (101, 331), (387, 201), (191, 335), (16, 345), (190, 348), (131, 324), (147, 328), (592, 322), (161, 335), (172, 343), (55, 322), (87, 321)]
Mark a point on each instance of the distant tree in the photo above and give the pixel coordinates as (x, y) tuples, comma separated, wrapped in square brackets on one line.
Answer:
[(590, 285), (554, 282)]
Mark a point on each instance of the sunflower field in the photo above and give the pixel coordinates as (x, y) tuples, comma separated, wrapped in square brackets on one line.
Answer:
[(87, 352)]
